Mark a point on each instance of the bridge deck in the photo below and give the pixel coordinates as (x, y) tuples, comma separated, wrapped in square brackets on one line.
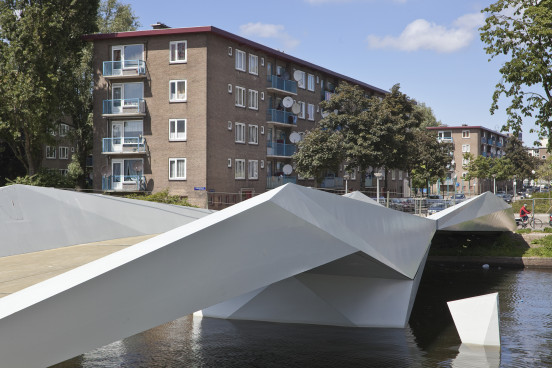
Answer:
[(23, 270)]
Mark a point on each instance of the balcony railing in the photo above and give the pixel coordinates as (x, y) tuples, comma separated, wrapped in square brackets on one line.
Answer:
[(280, 149), (127, 68), (276, 181), (445, 139), (129, 106), (484, 154), (489, 141), (499, 144), (124, 183), (124, 145), (281, 116), (332, 183), (282, 84), (483, 140)]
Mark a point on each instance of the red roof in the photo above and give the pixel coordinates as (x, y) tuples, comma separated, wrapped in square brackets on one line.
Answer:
[(230, 36)]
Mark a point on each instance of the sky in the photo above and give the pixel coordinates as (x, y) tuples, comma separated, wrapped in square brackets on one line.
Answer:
[(430, 47)]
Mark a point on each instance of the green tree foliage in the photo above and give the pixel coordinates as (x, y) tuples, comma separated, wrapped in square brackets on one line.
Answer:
[(44, 178), (40, 46), (319, 151), (522, 162), (375, 132), (521, 30), (428, 117), (113, 16), (428, 158)]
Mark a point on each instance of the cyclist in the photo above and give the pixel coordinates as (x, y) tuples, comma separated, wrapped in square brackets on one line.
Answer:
[(524, 213)]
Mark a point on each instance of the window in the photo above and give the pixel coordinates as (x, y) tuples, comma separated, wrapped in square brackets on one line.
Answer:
[(177, 129), (302, 112), (177, 91), (464, 175), (63, 172), (465, 133), (240, 133), (126, 57), (253, 169), (300, 77), (253, 99), (50, 152), (63, 153), (239, 169), (310, 82), (63, 130), (445, 136), (178, 51), (240, 60), (465, 161), (465, 148), (253, 64), (177, 169), (52, 131), (253, 134), (229, 162), (310, 111), (353, 174), (393, 175), (400, 174), (240, 96)]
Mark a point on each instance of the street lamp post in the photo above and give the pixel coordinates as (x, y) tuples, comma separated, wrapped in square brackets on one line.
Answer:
[(515, 188), (378, 176), (454, 195), (494, 183), (346, 177)]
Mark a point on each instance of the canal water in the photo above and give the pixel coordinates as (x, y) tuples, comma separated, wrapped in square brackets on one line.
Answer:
[(431, 339)]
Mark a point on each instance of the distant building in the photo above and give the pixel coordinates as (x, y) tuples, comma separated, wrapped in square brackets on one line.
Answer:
[(57, 155), (206, 114), (477, 140)]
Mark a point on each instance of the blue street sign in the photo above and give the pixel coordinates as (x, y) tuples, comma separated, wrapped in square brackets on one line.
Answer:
[(199, 188)]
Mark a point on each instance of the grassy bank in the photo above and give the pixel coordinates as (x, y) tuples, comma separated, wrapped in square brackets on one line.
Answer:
[(503, 245)]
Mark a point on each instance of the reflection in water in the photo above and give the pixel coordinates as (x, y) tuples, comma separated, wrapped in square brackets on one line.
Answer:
[(431, 341), (477, 356)]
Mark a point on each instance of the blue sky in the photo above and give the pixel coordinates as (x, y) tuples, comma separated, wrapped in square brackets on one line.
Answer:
[(431, 47)]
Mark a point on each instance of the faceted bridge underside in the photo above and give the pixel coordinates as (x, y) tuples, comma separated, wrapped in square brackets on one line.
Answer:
[(293, 254)]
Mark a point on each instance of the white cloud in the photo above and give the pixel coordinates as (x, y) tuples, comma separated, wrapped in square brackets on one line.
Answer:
[(423, 35), (276, 31)]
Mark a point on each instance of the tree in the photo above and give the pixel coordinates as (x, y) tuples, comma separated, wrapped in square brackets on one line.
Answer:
[(521, 31), (428, 117), (521, 160), (428, 158), (375, 131), (112, 17), (40, 47), (320, 150), (479, 168)]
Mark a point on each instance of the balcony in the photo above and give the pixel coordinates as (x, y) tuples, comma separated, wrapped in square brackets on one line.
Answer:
[(483, 140), (124, 69), (332, 183), (127, 145), (484, 154), (282, 86), (276, 181), (489, 141), (124, 108), (280, 149), (124, 183), (281, 117), (499, 144), (445, 139), (327, 96)]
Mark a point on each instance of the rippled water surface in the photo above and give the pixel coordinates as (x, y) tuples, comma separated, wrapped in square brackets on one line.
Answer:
[(430, 341)]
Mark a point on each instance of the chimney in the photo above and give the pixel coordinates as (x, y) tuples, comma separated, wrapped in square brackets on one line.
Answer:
[(159, 25)]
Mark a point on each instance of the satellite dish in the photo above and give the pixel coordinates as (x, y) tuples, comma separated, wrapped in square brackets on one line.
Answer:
[(287, 169), (325, 113), (287, 102), (296, 108), (298, 75), (294, 137)]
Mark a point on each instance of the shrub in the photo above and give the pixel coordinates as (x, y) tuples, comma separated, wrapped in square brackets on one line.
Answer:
[(44, 178), (162, 197)]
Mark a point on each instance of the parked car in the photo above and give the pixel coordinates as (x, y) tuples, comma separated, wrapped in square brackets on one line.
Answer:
[(458, 196), (506, 197)]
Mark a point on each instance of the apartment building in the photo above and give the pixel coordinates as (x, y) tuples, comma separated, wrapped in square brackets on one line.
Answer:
[(477, 140), (58, 154), (205, 113)]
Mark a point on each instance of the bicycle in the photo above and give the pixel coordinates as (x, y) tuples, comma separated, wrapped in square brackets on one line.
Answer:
[(533, 222)]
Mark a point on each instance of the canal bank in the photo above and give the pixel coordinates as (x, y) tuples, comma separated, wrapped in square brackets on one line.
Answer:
[(462, 244)]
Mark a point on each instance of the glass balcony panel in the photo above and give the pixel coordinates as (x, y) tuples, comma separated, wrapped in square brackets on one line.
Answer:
[(129, 106), (124, 68), (280, 149), (123, 145), (283, 84), (124, 183), (281, 116), (276, 181)]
